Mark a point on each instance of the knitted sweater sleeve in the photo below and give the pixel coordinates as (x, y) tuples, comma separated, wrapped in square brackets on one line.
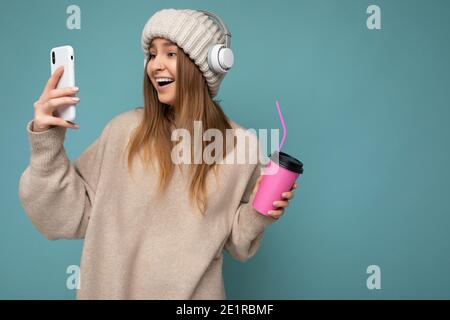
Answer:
[(248, 224), (56, 194)]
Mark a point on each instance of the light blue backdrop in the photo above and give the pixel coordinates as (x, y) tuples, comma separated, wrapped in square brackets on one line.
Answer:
[(367, 112)]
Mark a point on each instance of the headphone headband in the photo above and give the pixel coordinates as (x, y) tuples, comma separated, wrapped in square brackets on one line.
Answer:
[(220, 24)]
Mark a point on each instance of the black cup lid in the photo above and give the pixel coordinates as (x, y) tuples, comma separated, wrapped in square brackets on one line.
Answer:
[(288, 162)]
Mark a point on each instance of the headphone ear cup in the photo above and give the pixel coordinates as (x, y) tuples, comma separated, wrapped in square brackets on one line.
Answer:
[(226, 58), (220, 58)]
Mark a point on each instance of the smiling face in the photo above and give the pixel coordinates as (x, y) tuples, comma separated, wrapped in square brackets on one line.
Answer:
[(162, 69)]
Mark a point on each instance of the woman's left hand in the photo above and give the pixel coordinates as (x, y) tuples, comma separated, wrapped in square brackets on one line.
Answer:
[(280, 204)]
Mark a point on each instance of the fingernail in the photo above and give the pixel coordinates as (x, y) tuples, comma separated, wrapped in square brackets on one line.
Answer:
[(74, 124), (76, 89), (76, 99)]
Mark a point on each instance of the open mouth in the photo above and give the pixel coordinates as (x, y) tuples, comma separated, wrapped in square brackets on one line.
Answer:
[(164, 83)]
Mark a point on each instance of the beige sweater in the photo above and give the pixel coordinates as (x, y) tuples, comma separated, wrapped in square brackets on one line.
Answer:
[(138, 245)]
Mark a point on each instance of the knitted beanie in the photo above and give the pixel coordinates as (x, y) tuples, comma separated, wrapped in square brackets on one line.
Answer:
[(191, 30)]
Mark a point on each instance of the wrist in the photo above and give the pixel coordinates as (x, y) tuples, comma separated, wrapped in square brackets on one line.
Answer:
[(38, 128)]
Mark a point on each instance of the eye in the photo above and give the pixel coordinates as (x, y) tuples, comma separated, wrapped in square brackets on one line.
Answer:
[(150, 56)]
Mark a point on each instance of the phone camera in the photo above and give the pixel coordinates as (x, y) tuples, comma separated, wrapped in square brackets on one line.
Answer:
[(53, 57), (71, 57)]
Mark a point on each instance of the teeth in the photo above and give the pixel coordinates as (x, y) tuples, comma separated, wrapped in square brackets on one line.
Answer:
[(163, 79)]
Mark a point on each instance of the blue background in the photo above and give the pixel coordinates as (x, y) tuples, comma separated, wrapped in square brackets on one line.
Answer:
[(367, 112)]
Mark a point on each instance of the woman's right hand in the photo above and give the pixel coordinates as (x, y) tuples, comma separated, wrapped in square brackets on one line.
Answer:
[(50, 100)]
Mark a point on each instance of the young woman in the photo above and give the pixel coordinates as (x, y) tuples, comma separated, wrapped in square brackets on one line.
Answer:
[(152, 229)]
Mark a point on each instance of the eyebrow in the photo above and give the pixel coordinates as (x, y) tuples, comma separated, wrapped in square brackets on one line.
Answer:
[(165, 44)]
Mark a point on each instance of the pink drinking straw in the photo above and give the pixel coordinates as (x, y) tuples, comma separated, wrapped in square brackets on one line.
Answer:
[(282, 123)]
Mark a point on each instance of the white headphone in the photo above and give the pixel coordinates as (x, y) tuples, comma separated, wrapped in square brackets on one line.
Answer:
[(220, 56)]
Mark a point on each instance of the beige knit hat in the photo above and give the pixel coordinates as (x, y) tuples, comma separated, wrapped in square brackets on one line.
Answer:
[(192, 31)]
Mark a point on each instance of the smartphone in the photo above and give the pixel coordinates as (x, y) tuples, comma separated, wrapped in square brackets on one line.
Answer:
[(64, 56)]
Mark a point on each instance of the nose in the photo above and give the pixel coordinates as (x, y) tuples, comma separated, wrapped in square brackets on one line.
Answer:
[(157, 63)]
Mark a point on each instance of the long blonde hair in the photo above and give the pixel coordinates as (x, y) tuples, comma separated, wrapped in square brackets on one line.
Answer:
[(152, 137)]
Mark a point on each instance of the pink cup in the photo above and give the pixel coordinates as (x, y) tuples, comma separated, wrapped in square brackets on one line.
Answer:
[(279, 176)]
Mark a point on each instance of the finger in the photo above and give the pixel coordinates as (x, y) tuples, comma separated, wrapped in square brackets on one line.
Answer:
[(53, 104), (53, 81), (56, 93), (288, 195), (280, 204), (66, 124), (294, 186), (55, 121), (73, 125), (276, 214)]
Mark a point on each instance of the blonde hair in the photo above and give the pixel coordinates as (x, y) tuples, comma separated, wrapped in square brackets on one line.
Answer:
[(151, 140)]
